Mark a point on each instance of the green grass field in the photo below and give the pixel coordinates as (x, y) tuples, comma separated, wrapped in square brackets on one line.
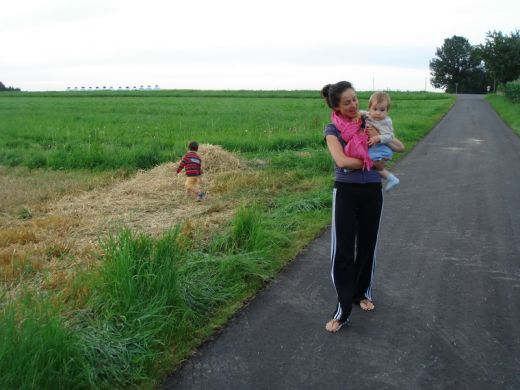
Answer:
[(137, 131), (152, 299)]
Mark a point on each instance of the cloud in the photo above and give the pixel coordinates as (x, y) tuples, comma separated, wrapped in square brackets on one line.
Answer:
[(408, 57), (53, 42), (51, 13)]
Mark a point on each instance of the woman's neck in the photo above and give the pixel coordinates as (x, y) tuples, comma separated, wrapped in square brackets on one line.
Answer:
[(349, 119)]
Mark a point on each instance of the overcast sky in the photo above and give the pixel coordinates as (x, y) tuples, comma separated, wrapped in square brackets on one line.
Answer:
[(228, 44)]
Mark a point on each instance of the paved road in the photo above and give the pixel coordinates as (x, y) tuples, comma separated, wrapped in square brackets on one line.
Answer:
[(447, 284)]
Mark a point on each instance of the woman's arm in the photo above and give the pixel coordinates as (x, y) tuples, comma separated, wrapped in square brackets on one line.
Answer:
[(394, 144), (336, 151)]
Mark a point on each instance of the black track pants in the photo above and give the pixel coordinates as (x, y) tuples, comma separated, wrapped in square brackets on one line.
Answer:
[(356, 214)]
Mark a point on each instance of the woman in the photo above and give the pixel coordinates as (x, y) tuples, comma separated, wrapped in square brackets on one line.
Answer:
[(357, 205)]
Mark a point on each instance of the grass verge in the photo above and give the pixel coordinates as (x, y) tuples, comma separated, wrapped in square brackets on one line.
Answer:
[(508, 111)]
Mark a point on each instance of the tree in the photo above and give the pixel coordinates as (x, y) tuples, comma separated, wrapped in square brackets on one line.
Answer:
[(4, 88), (501, 55), (458, 67)]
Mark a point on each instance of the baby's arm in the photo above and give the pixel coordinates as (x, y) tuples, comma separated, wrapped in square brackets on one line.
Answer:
[(386, 130), (389, 138), (396, 145), (382, 134), (386, 138), (375, 140), (373, 135), (381, 139)]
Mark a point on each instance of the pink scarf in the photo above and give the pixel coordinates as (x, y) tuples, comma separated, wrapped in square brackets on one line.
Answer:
[(355, 137)]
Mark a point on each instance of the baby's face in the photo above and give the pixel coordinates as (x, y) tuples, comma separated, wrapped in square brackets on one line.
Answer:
[(378, 111)]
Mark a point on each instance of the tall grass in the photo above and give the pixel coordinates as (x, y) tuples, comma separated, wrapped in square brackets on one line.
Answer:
[(138, 272), (149, 294), (245, 234), (135, 307), (37, 350)]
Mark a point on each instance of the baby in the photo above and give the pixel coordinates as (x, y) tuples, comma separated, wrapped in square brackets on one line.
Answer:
[(377, 117)]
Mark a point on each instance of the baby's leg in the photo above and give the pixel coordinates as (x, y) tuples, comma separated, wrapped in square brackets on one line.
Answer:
[(391, 180), (384, 173)]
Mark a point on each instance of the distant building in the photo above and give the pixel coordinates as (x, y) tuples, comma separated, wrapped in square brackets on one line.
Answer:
[(119, 88)]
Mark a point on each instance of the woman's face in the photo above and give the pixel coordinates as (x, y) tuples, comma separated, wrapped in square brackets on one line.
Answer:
[(348, 104)]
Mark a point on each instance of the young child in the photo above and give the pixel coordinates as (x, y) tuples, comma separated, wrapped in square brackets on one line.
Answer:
[(377, 117), (192, 164)]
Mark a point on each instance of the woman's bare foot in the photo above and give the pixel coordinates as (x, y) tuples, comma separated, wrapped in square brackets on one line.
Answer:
[(366, 305), (333, 326)]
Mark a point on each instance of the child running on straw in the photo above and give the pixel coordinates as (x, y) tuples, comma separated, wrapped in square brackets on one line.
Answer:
[(379, 148), (192, 164)]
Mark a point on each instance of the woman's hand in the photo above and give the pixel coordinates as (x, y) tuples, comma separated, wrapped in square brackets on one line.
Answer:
[(371, 132), (374, 140), (341, 160)]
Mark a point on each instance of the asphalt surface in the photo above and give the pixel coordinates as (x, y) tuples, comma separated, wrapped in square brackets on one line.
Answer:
[(447, 284)]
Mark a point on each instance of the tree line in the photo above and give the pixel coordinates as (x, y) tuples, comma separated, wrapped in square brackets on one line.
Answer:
[(460, 67), (4, 88)]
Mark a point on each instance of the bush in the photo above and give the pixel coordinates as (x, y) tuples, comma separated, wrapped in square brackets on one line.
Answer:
[(512, 91)]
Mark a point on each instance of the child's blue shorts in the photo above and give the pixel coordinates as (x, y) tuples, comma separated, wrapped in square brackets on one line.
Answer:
[(380, 152)]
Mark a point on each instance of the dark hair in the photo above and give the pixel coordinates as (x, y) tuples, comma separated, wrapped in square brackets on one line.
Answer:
[(332, 92), (193, 146)]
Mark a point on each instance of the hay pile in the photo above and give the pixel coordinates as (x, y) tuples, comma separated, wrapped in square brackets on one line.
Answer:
[(150, 202), (217, 160)]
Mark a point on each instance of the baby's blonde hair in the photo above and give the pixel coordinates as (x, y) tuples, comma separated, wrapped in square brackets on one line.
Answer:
[(378, 98)]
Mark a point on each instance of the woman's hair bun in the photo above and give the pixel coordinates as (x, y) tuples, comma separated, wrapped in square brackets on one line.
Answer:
[(332, 92), (325, 91)]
